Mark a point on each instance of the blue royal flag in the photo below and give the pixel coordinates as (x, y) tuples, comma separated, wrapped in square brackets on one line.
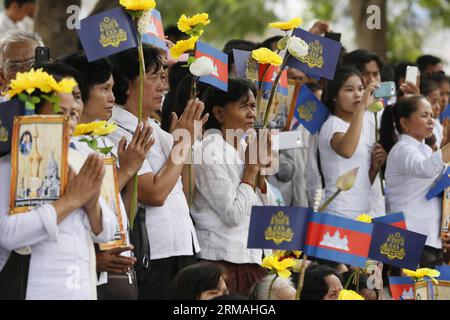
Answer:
[(154, 34), (445, 114), (9, 110), (322, 57), (393, 219), (442, 183), (396, 246), (445, 272), (219, 78), (279, 228), (338, 239), (309, 111), (240, 62), (107, 33)]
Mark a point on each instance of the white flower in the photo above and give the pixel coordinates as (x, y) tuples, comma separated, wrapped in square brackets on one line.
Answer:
[(297, 47), (201, 67), (144, 21)]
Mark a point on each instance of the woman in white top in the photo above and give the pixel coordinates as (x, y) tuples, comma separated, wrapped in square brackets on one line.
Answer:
[(225, 187), (346, 142), (171, 233), (60, 234), (411, 169)]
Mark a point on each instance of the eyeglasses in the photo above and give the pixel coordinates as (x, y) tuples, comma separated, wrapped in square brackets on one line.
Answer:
[(20, 66)]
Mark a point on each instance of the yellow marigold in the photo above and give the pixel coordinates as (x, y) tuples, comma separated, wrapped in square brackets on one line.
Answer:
[(288, 25), (189, 24), (66, 85), (267, 56), (105, 130), (279, 267), (88, 128), (30, 81), (349, 295), (183, 46), (364, 218), (138, 5), (419, 274)]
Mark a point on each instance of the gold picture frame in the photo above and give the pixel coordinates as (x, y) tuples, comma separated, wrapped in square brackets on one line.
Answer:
[(39, 164), (421, 291), (110, 193), (445, 219)]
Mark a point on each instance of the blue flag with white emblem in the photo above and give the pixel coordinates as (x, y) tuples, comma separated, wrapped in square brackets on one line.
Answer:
[(107, 33), (309, 111)]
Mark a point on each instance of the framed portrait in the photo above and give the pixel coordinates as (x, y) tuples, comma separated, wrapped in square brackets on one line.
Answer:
[(445, 220), (425, 290), (110, 193), (39, 166), (279, 111), (442, 290)]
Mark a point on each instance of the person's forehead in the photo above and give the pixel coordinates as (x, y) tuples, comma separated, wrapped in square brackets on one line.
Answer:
[(371, 66), (18, 51)]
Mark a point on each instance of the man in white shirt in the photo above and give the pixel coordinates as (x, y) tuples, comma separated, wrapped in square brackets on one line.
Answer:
[(17, 15)]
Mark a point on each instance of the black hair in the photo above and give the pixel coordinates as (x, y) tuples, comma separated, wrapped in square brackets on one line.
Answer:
[(237, 88), (427, 86), (390, 121), (313, 86), (359, 58), (314, 285), (92, 73), (427, 60), (237, 44), (268, 42), (126, 69), (177, 98), (332, 88), (173, 33), (19, 2), (439, 77), (191, 281)]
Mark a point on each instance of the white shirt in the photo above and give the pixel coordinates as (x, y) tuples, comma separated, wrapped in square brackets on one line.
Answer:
[(411, 169), (222, 204), (438, 131), (169, 227), (356, 201), (6, 24), (61, 261)]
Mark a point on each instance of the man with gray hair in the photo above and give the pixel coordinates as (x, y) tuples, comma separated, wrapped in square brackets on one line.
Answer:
[(17, 54)]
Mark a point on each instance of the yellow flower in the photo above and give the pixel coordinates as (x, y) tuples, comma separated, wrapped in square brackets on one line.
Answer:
[(288, 25), (88, 128), (193, 24), (183, 46), (279, 267), (267, 56), (138, 5), (105, 130), (364, 218), (347, 180), (421, 273), (349, 295), (66, 85)]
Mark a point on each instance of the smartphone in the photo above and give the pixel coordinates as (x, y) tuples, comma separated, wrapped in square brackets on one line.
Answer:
[(411, 74), (333, 36), (42, 56), (386, 90)]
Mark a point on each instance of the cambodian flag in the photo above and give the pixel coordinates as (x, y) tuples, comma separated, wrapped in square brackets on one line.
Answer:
[(155, 31), (219, 78), (338, 239), (393, 219), (402, 288), (269, 77), (442, 183)]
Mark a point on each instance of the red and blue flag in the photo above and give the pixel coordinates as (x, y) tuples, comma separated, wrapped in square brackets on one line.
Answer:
[(393, 219), (269, 77), (402, 288), (219, 78), (338, 239), (155, 31)]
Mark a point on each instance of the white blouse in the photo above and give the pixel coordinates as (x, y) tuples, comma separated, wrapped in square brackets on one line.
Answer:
[(222, 204), (170, 229), (356, 201), (61, 260), (411, 169)]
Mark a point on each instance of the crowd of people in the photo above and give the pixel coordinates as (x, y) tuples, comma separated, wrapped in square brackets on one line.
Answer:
[(196, 217)]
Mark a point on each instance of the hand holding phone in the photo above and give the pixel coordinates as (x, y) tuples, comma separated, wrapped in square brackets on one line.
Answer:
[(386, 90), (41, 57), (411, 74)]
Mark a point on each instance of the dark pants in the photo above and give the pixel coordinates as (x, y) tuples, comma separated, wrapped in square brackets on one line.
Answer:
[(156, 284), (431, 257)]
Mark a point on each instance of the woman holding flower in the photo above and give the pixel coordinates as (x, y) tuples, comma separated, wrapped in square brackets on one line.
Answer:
[(345, 142), (60, 234), (227, 186), (411, 169)]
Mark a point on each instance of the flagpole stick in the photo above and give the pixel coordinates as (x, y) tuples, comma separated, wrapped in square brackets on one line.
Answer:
[(274, 89), (301, 278), (134, 197), (193, 95), (377, 137), (327, 203), (269, 294)]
